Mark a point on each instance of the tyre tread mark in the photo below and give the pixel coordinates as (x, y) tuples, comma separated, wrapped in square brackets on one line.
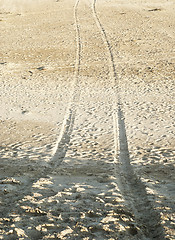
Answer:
[(132, 188), (64, 137)]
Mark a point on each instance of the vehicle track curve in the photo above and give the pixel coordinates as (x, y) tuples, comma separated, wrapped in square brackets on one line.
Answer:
[(63, 139), (132, 188)]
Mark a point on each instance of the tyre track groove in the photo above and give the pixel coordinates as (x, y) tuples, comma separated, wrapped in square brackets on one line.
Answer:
[(113, 72), (64, 137), (132, 188)]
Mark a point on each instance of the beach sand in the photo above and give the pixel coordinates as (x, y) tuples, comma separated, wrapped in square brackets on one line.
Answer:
[(87, 119)]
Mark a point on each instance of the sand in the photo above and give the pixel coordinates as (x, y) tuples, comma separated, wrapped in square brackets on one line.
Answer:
[(87, 119)]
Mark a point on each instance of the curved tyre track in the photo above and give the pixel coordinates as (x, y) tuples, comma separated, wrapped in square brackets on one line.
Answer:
[(63, 140), (132, 188), (113, 72)]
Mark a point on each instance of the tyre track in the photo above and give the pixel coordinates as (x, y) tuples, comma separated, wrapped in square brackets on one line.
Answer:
[(113, 72), (132, 188), (63, 140), (64, 137)]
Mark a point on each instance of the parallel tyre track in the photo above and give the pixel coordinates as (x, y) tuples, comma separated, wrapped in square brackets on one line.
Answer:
[(63, 139), (132, 188)]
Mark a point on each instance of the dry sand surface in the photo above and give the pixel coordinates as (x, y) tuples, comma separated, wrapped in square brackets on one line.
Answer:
[(87, 119)]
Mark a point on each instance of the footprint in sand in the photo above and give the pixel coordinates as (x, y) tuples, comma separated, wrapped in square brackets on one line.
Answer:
[(25, 112)]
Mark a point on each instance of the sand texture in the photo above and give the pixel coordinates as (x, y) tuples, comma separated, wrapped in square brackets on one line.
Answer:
[(87, 119)]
